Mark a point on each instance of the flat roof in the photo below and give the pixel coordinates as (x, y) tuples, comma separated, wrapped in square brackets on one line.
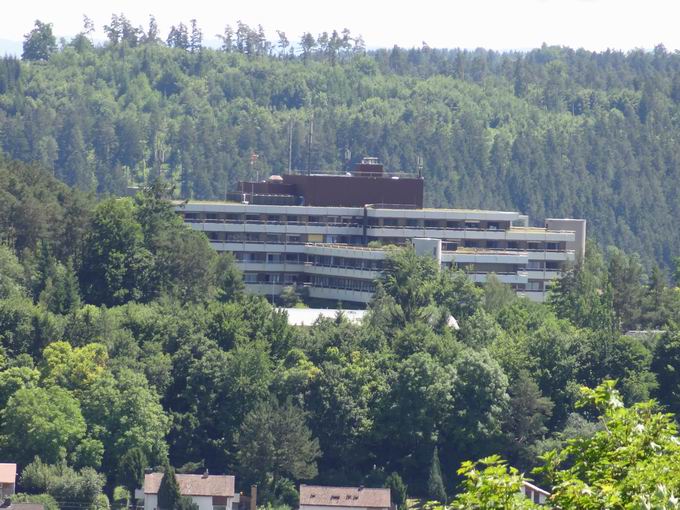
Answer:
[(308, 316), (408, 209)]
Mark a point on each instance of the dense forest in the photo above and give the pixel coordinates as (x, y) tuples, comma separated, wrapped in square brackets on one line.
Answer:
[(127, 342), (553, 132)]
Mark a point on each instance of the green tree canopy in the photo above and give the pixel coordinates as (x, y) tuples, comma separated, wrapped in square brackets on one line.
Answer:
[(45, 422)]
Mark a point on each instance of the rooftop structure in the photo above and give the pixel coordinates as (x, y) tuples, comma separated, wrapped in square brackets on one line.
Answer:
[(367, 183), (330, 240)]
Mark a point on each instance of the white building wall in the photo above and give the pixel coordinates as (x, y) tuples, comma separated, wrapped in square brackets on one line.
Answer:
[(334, 507), (203, 502), (150, 501)]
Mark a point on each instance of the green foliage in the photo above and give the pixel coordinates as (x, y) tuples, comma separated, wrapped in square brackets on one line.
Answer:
[(11, 274), (528, 413), (131, 468), (63, 483), (115, 265), (46, 422), (410, 281), (40, 42), (398, 489), (169, 497), (435, 482), (666, 365), (47, 501), (632, 462), (275, 442), (497, 294), (491, 484), (228, 278)]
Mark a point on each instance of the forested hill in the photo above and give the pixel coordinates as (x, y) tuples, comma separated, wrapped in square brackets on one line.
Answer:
[(552, 132)]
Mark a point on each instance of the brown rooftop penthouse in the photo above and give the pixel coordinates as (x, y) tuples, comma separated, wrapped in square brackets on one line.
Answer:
[(339, 497), (367, 183), (193, 485)]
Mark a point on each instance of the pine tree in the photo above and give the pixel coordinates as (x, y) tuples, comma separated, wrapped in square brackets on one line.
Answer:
[(131, 470), (169, 496), (435, 483), (398, 489)]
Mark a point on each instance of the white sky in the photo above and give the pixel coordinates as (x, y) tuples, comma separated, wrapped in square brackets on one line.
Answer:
[(494, 24)]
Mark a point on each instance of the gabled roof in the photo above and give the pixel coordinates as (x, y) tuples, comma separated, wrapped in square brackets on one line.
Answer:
[(193, 485), (344, 496), (26, 506), (8, 473)]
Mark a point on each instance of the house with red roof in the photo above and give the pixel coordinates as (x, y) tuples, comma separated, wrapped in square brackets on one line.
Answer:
[(318, 497), (209, 492)]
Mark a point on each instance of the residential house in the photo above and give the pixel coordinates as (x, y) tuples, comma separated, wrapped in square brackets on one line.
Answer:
[(8, 478), (316, 497), (209, 492)]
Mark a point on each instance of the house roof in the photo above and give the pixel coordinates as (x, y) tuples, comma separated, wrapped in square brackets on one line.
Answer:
[(344, 496), (26, 506), (535, 488), (8, 473), (193, 485)]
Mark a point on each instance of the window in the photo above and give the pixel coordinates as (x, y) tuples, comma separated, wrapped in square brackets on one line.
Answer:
[(535, 286), (250, 277)]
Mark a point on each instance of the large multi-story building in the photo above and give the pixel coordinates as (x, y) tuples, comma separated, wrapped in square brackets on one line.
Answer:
[(329, 234)]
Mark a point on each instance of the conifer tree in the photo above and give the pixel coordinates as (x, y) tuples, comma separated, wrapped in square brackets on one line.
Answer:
[(168, 493), (435, 483)]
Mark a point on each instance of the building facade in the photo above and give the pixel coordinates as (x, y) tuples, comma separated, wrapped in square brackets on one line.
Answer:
[(335, 252)]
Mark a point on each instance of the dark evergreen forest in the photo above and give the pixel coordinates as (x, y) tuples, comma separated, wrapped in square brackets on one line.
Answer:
[(551, 132)]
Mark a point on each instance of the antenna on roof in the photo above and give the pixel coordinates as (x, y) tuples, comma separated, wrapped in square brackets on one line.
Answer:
[(419, 165), (290, 145), (310, 141)]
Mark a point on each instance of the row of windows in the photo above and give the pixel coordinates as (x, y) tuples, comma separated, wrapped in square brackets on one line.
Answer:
[(271, 278), (447, 245), (333, 282), (343, 220), (316, 260)]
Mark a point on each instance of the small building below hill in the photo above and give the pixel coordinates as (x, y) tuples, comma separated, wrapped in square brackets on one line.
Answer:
[(317, 497), (209, 492), (308, 316), (8, 479), (534, 493)]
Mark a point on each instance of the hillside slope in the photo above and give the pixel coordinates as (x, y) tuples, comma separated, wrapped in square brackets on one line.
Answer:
[(554, 132)]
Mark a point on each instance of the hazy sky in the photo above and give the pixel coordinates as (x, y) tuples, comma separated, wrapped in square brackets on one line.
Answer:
[(496, 24)]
